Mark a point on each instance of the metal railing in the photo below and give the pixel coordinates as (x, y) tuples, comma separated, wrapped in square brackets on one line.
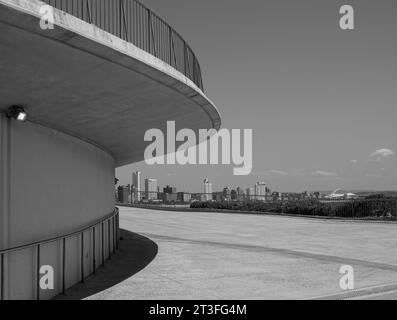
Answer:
[(133, 22), (382, 209), (113, 237)]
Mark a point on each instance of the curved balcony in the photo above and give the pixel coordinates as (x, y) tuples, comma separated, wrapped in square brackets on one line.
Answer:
[(133, 22), (106, 73)]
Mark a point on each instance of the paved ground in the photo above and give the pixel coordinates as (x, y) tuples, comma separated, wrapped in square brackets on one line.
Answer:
[(233, 256)]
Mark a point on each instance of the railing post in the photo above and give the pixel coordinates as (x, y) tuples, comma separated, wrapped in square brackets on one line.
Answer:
[(93, 250), (114, 234), (38, 273), (103, 244), (89, 12), (118, 229), (170, 36), (2, 277), (63, 265), (184, 58), (110, 253), (82, 257), (149, 19), (173, 49), (194, 68), (124, 21)]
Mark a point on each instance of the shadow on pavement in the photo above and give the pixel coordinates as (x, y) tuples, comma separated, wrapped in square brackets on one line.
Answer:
[(134, 254)]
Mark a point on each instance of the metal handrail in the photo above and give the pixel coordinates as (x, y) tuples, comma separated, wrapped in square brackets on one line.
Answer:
[(113, 238), (133, 22)]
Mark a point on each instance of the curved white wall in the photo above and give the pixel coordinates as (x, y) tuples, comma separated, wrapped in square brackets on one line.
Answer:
[(51, 184)]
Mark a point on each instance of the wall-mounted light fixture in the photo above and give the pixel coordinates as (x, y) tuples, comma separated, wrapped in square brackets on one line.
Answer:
[(17, 112)]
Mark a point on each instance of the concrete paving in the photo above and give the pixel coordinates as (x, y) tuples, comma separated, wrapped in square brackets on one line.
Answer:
[(235, 256)]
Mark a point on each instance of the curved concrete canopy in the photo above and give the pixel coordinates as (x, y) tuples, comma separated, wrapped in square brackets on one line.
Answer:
[(85, 82)]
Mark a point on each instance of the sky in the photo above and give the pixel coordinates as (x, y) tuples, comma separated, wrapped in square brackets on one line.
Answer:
[(322, 102)]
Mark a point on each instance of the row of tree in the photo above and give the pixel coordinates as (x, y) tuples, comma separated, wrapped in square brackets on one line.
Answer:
[(370, 208)]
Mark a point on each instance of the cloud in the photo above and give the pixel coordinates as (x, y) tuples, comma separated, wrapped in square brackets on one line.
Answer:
[(276, 173), (354, 161), (381, 154), (320, 173), (298, 172)]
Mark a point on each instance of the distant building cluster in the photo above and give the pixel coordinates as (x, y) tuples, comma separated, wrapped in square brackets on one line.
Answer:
[(151, 193)]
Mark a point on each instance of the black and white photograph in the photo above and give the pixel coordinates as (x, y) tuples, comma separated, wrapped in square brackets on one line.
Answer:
[(197, 157)]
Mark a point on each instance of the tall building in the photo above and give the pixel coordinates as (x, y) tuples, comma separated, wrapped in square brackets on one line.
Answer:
[(169, 194), (207, 186), (260, 191), (233, 194), (240, 194), (227, 194), (136, 190), (250, 193), (151, 189)]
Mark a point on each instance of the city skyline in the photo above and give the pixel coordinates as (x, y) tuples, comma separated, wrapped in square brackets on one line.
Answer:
[(321, 101), (195, 187), (259, 188)]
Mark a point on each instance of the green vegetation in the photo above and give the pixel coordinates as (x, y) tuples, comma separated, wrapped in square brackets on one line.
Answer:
[(369, 208)]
